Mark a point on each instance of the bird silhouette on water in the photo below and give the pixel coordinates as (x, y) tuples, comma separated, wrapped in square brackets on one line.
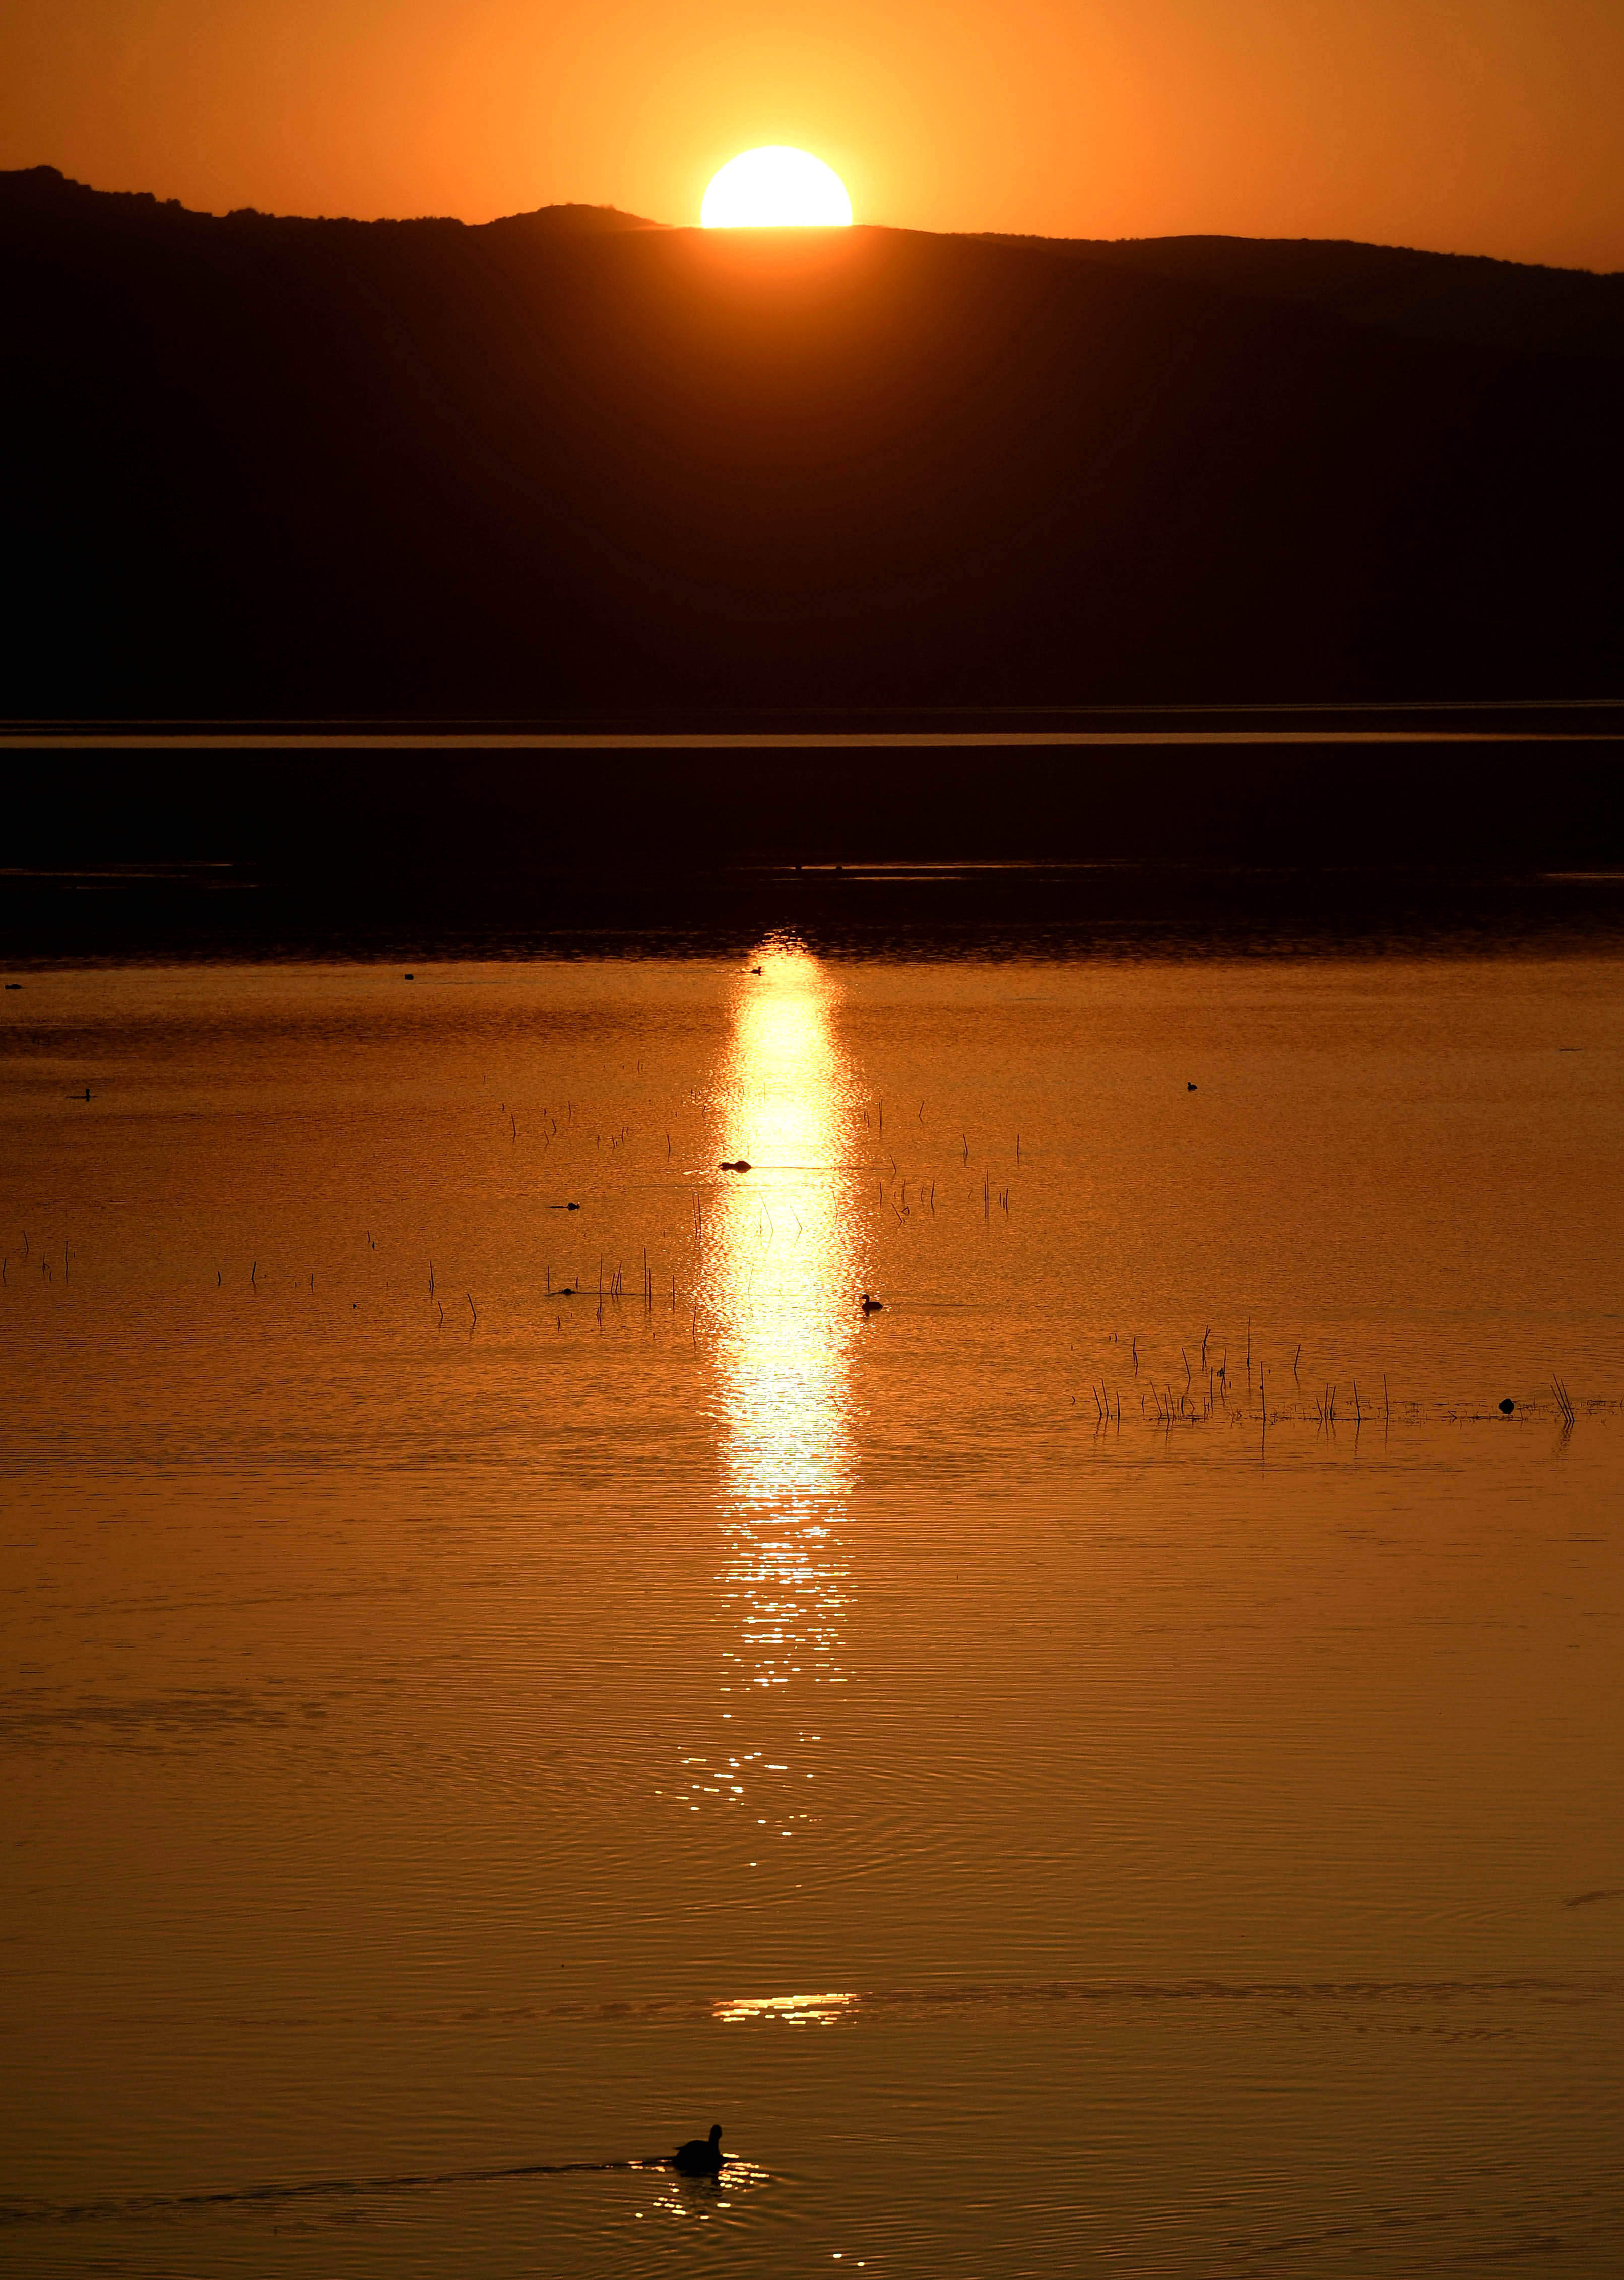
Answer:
[(701, 2157), (871, 1305)]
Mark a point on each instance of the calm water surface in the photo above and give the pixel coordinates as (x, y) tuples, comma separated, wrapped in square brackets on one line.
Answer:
[(1066, 1790)]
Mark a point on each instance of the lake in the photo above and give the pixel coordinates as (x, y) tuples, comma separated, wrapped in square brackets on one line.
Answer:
[(1111, 1763)]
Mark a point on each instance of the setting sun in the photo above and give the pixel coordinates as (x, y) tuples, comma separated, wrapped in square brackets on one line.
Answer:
[(775, 188)]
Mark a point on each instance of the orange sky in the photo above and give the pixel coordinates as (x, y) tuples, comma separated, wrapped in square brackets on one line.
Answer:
[(1469, 126)]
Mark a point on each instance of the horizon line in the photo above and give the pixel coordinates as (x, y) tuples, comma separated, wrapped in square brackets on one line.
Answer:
[(781, 740), (646, 222)]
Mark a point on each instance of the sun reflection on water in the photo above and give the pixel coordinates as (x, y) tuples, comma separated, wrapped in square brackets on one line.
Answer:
[(822, 2010), (783, 1261)]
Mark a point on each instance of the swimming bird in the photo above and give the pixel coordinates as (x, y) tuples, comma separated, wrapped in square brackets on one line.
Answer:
[(871, 1305), (701, 2157), (755, 969), (1189, 1088), (739, 1167)]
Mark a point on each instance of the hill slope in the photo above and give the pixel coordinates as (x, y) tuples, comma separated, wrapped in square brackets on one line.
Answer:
[(1504, 307), (572, 461)]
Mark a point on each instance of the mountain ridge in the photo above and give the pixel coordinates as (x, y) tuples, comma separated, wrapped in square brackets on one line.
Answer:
[(49, 182), (280, 466)]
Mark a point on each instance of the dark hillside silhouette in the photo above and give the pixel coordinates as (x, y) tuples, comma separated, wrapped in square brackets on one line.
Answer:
[(1503, 307), (578, 220), (572, 462)]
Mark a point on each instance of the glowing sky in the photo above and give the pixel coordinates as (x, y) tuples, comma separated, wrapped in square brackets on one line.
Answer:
[(1471, 126)]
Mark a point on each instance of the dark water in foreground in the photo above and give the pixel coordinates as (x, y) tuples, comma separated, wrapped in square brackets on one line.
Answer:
[(1111, 1764)]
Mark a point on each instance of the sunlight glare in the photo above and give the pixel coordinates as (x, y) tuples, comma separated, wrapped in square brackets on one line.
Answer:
[(775, 188), (783, 1256), (782, 1266)]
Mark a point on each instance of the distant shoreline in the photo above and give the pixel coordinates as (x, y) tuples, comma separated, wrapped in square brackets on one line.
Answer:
[(699, 740), (1567, 720)]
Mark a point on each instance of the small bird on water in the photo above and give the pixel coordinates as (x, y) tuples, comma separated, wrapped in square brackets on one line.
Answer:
[(871, 1305), (701, 2157)]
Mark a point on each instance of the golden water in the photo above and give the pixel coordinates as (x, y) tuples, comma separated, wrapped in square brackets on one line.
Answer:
[(458, 1740)]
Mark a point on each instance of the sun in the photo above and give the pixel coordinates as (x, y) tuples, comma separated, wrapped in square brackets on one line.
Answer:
[(775, 188)]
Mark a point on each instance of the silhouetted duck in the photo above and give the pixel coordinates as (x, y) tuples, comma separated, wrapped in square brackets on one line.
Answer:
[(871, 1305), (739, 1167), (701, 2157), (755, 969)]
